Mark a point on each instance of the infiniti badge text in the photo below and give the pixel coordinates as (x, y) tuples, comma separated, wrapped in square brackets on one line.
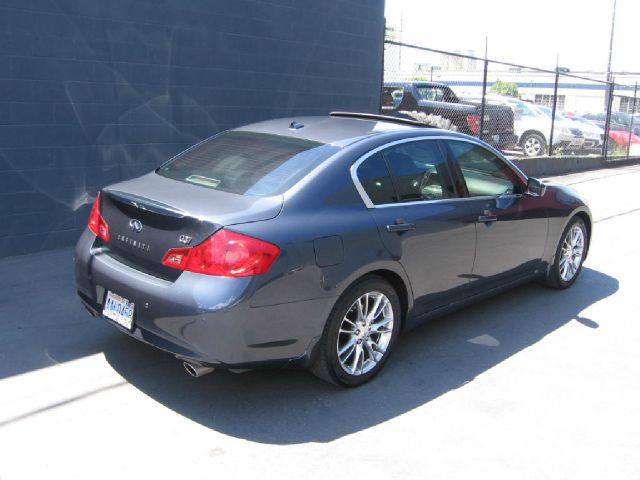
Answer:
[(134, 243)]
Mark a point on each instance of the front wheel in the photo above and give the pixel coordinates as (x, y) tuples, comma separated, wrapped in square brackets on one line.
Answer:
[(533, 144), (359, 335), (570, 255)]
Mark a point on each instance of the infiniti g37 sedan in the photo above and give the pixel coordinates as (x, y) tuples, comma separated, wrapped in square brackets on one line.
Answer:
[(314, 242)]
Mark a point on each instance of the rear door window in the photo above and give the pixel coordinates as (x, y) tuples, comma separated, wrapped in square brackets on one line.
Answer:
[(248, 163), (419, 171), (406, 172)]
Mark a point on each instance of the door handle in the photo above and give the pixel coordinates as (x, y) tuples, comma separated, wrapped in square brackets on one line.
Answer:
[(401, 226), (487, 218)]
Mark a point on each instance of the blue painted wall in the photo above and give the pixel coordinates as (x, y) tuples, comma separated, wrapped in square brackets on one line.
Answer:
[(95, 91)]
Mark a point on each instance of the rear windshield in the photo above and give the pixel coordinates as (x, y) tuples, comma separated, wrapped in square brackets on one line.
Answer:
[(248, 163)]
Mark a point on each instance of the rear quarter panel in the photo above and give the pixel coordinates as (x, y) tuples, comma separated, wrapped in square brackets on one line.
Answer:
[(324, 211)]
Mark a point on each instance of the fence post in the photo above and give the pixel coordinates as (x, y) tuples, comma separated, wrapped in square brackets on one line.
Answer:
[(484, 94), (384, 46), (633, 111), (553, 112), (610, 86), (484, 87)]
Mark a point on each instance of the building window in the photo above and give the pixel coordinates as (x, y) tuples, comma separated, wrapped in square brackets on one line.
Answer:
[(626, 105), (547, 101)]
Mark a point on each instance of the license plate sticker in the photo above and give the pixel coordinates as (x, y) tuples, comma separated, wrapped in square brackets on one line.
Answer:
[(118, 309)]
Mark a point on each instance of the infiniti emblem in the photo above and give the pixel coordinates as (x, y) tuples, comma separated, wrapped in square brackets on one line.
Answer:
[(135, 225)]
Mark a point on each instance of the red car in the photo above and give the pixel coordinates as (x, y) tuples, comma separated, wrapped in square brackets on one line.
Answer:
[(621, 137)]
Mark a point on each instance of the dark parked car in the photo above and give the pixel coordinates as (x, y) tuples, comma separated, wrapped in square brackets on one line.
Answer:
[(438, 99), (619, 121), (313, 242)]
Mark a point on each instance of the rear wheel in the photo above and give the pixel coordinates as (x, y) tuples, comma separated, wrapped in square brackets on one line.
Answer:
[(360, 333), (569, 255)]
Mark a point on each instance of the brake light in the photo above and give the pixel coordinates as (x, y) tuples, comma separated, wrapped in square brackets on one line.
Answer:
[(474, 123), (96, 223), (225, 254)]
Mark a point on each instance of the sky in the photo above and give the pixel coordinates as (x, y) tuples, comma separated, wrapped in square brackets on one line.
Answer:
[(529, 33)]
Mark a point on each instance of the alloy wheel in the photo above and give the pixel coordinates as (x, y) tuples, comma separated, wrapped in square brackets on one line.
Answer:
[(532, 146), (365, 333), (572, 253)]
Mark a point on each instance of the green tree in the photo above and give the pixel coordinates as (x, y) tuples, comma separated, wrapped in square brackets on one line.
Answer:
[(504, 88)]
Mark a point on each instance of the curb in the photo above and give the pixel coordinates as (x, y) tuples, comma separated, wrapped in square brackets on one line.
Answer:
[(561, 165)]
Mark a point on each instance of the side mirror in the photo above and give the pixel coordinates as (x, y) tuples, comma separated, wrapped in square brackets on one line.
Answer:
[(535, 187)]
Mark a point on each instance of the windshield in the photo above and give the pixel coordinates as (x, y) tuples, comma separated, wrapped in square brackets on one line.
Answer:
[(625, 117), (548, 112), (248, 163), (559, 115), (524, 109), (583, 120)]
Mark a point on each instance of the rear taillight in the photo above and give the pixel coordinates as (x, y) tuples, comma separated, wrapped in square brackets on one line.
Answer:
[(225, 254), (474, 123), (96, 223)]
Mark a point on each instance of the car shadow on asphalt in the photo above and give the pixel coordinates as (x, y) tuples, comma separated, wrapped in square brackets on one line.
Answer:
[(42, 322), (290, 406)]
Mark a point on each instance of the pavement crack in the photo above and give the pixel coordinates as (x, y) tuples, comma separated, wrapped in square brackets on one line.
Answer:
[(37, 411), (617, 215)]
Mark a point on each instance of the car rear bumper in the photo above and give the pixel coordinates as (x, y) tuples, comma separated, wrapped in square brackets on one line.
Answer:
[(200, 318)]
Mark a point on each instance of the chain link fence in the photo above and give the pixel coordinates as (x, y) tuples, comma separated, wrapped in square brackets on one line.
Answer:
[(521, 110)]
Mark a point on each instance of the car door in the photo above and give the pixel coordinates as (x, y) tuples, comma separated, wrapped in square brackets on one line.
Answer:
[(422, 222), (511, 227)]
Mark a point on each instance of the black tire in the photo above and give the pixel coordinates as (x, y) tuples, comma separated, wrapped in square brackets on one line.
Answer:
[(326, 364), (533, 137), (554, 278)]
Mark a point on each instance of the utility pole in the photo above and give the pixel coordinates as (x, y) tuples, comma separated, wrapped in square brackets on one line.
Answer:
[(400, 39), (484, 86), (613, 24)]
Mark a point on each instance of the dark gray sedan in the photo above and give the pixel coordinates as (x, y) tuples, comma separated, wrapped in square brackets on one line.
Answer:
[(313, 242)]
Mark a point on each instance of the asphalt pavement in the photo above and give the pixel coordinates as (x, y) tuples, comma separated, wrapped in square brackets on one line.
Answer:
[(534, 384)]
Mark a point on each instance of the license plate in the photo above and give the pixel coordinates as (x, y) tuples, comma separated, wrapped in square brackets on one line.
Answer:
[(119, 309)]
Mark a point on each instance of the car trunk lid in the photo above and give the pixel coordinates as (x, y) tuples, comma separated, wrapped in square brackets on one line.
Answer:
[(151, 214)]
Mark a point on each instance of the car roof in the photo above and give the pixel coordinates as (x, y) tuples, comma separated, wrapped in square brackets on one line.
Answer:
[(336, 130)]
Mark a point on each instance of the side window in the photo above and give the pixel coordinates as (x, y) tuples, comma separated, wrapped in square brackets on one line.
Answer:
[(419, 171), (375, 179), (433, 94), (483, 172), (392, 96)]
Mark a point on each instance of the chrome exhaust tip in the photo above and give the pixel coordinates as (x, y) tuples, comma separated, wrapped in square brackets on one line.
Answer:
[(196, 370)]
